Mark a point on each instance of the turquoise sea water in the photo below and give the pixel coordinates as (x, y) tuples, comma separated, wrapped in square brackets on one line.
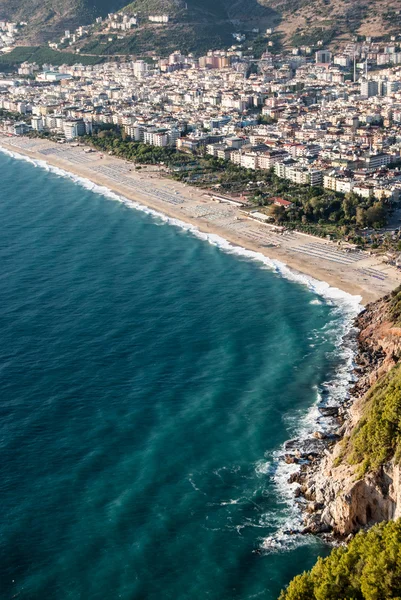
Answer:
[(147, 383)]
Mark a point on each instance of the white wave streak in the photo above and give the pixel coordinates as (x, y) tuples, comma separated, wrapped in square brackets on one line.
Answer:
[(321, 288)]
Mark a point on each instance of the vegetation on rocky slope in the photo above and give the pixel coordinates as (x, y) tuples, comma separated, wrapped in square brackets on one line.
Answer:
[(377, 438), (186, 37), (368, 568), (208, 21), (299, 21), (48, 19), (395, 306)]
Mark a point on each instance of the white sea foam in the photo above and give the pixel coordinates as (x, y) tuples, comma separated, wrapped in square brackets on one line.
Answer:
[(282, 542), (302, 425), (230, 502), (195, 487), (263, 467)]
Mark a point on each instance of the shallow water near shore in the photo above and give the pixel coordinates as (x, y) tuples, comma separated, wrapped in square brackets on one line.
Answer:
[(148, 383)]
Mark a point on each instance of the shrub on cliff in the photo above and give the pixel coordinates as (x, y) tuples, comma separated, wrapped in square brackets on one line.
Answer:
[(377, 438), (368, 568), (395, 305)]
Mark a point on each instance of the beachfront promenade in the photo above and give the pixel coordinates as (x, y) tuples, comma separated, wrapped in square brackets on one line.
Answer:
[(355, 272)]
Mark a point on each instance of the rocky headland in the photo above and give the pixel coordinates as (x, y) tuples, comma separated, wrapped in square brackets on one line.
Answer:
[(350, 478)]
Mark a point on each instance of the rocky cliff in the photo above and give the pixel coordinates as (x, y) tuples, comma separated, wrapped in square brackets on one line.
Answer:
[(355, 480)]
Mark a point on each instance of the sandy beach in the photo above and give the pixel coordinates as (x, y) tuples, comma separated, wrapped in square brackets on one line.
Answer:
[(356, 273)]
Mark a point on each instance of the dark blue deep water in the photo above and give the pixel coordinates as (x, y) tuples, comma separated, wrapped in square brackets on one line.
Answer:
[(147, 380)]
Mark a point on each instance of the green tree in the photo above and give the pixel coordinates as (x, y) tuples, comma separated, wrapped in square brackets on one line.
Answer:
[(361, 219), (368, 569), (376, 215), (278, 213)]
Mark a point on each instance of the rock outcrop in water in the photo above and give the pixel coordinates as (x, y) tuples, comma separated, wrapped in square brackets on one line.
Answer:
[(355, 481)]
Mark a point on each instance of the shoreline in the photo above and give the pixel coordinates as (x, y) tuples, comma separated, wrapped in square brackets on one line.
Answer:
[(335, 498), (297, 256), (318, 432), (305, 447)]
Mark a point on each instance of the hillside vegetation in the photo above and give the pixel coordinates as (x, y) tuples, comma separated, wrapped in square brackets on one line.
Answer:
[(368, 568), (300, 21), (395, 306), (48, 18), (42, 55), (377, 438)]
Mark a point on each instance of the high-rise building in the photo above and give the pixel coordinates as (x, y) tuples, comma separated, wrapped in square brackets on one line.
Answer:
[(37, 123), (140, 68), (369, 88), (323, 57), (74, 128)]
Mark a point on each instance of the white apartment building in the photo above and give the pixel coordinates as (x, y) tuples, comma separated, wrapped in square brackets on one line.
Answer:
[(269, 159), (140, 68), (298, 174), (363, 191), (369, 88), (136, 132), (304, 176), (160, 139), (51, 121), (323, 57), (73, 129), (249, 160), (344, 186), (280, 170), (342, 60), (159, 18), (37, 123), (377, 160)]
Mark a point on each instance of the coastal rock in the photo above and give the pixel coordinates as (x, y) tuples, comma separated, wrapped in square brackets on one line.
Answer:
[(337, 499), (291, 444), (350, 504), (295, 478), (313, 507), (290, 459), (314, 524), (329, 411)]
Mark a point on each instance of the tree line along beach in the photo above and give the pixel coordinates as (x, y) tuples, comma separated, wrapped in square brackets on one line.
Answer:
[(357, 273)]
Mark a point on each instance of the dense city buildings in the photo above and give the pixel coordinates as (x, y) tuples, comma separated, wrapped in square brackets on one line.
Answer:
[(331, 120)]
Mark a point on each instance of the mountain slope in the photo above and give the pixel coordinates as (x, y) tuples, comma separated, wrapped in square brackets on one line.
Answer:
[(341, 18), (203, 24), (47, 18)]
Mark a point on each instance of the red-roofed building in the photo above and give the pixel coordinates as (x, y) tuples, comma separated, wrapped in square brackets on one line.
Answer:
[(281, 202)]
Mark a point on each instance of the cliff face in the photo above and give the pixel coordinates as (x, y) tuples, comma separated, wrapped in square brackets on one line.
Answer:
[(340, 496), (351, 503)]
